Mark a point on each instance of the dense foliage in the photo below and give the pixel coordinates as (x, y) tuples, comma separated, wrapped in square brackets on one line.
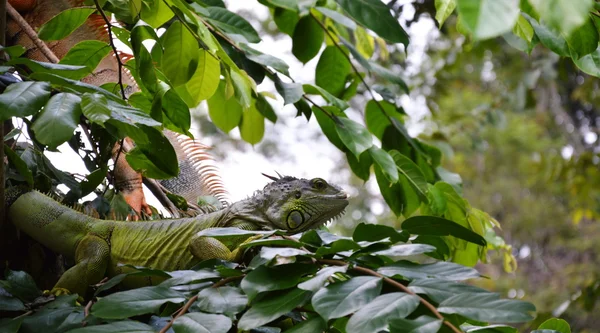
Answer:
[(318, 281)]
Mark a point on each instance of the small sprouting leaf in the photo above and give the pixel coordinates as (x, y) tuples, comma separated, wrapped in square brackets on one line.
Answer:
[(374, 316), (439, 270), (23, 99), (354, 135), (202, 322), (271, 308), (437, 226), (332, 69), (343, 298), (307, 39), (227, 300), (487, 307), (57, 122), (422, 324), (376, 16), (180, 57), (234, 25), (87, 53), (135, 302), (63, 24)]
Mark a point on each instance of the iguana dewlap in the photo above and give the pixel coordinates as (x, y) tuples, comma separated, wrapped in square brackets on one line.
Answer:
[(198, 174), (100, 247)]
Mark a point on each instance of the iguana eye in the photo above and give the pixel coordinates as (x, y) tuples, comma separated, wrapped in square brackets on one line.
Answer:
[(319, 183), (295, 219)]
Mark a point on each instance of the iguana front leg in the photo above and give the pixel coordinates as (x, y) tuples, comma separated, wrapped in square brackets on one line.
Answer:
[(91, 257)]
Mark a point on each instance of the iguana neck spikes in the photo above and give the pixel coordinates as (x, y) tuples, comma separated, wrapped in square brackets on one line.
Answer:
[(101, 247), (199, 176)]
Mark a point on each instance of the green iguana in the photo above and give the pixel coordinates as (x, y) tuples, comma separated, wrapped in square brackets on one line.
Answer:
[(99, 247), (198, 174)]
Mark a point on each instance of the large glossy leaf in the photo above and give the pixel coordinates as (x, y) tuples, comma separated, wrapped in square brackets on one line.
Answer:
[(422, 324), (376, 119), (226, 113), (63, 24), (285, 20), (156, 158), (402, 197), (583, 40), (232, 24), (321, 277), (155, 13), (410, 170), (376, 315), (66, 71), (198, 322), (177, 113), (487, 307), (488, 18), (180, 57), (271, 308), (205, 81), (134, 302), (439, 290), (354, 136), (87, 53), (125, 326), (265, 59), (23, 99), (563, 15), (21, 285), (376, 232), (332, 69), (343, 298), (314, 324), (252, 127), (403, 250), (385, 162), (57, 122), (307, 39), (439, 270), (376, 16), (443, 9), (274, 278), (360, 166), (437, 226), (227, 300), (549, 38), (72, 84), (589, 64)]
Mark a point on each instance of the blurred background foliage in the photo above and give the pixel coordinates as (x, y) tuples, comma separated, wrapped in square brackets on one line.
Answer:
[(521, 129)]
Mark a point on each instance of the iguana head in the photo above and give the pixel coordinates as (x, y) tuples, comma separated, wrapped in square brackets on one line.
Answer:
[(297, 205)]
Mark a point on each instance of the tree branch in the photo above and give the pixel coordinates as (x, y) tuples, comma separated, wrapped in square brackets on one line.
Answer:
[(31, 34)]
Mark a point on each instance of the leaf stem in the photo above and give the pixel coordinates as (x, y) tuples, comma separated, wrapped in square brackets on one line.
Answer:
[(364, 270)]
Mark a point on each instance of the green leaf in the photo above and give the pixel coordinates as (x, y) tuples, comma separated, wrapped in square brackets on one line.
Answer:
[(117, 327), (198, 322), (72, 84), (523, 29), (180, 57), (343, 298), (9, 303), (156, 158), (287, 4), (14, 51), (385, 162), (563, 15), (376, 119), (21, 285), (135, 302), (410, 170), (234, 25), (265, 59), (365, 43), (337, 17), (488, 18), (252, 126), (490, 329), (328, 126), (332, 69), (272, 241), (376, 16), (314, 324), (227, 300), (556, 324), (23, 99), (439, 290), (550, 39), (589, 64), (87, 53), (487, 307), (291, 92), (437, 226), (8, 325), (307, 39), (269, 253), (422, 324), (439, 270), (243, 88), (155, 13), (265, 108), (354, 136), (388, 75), (443, 10), (225, 113), (403, 250), (63, 24), (17, 162), (67, 71), (205, 81), (274, 278), (321, 277), (271, 308), (360, 166), (316, 90), (95, 108), (286, 20), (376, 232), (57, 122), (583, 40), (374, 317)]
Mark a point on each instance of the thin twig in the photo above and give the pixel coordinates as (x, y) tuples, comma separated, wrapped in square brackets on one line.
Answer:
[(86, 310), (23, 315), (31, 34), (158, 191), (112, 45), (394, 283)]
